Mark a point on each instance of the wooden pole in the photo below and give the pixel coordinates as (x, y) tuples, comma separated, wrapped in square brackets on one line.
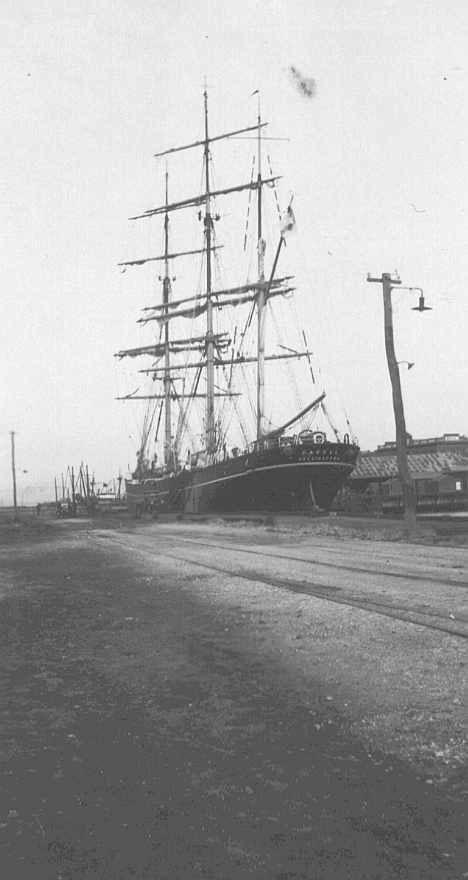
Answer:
[(13, 473), (407, 484)]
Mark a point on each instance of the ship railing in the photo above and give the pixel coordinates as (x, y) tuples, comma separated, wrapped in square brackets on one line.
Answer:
[(272, 443)]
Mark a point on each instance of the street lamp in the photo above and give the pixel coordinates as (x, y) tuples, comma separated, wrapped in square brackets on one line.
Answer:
[(421, 306), (407, 485)]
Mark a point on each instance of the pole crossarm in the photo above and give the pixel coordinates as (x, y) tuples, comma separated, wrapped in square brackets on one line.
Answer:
[(385, 276)]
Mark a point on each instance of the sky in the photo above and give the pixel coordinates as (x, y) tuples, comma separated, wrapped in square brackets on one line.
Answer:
[(376, 160)]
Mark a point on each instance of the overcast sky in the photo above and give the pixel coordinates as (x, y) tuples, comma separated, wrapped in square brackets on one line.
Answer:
[(377, 161)]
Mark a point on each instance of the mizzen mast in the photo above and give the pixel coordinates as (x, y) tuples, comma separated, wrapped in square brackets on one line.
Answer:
[(261, 299)]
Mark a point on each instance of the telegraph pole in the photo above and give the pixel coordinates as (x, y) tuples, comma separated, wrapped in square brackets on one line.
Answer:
[(13, 472), (407, 484)]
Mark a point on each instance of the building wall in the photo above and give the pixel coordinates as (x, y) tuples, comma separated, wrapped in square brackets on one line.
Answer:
[(437, 485), (446, 443)]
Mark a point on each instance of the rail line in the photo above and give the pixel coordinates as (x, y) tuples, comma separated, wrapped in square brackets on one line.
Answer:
[(338, 565), (326, 593)]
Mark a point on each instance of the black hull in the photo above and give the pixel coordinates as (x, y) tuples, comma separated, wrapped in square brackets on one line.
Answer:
[(305, 479)]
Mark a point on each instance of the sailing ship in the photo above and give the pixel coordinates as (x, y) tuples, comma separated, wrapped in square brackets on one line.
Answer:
[(206, 373)]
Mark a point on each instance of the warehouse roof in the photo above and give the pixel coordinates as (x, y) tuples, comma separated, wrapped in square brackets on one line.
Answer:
[(424, 465)]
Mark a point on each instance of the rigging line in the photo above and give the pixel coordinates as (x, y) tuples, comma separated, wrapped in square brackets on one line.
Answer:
[(248, 204), (247, 325), (236, 411), (234, 337), (300, 324), (178, 442), (151, 423), (309, 360), (248, 394), (289, 368), (218, 274), (181, 423), (328, 418), (159, 421), (278, 208), (229, 381), (238, 414), (198, 294), (227, 400)]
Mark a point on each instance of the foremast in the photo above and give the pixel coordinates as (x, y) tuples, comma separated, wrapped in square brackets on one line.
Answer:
[(210, 434)]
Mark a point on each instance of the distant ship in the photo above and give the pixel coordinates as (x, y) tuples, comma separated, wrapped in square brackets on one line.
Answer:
[(218, 379)]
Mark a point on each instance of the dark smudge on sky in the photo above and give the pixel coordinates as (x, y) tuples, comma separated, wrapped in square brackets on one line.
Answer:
[(305, 84)]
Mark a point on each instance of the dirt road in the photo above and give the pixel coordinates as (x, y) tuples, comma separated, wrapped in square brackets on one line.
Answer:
[(188, 701)]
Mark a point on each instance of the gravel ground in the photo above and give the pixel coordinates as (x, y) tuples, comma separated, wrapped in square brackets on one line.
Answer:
[(401, 686), (164, 721)]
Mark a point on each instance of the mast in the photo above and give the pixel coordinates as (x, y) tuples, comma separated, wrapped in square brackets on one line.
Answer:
[(167, 374), (209, 417), (261, 301)]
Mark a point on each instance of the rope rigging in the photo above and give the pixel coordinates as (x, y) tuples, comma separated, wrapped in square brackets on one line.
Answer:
[(215, 349)]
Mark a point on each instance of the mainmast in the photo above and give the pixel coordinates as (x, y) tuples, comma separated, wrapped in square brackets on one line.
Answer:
[(210, 442), (261, 301), (168, 452)]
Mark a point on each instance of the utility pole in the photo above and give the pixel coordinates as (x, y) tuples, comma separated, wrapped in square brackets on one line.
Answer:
[(407, 484), (13, 472)]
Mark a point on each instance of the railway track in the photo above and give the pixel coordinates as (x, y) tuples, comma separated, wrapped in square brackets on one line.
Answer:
[(329, 593), (338, 565)]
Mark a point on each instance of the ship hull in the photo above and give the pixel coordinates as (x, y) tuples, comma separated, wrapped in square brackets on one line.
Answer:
[(306, 479)]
